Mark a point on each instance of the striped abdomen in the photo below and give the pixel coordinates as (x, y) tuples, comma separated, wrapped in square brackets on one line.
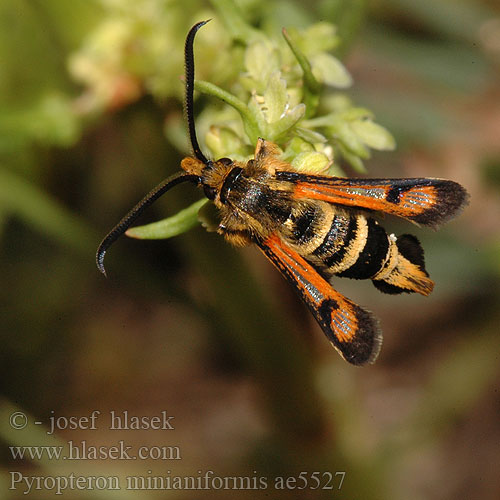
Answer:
[(352, 245)]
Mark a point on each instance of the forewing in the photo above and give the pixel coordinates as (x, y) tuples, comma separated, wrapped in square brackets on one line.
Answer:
[(353, 331), (426, 201)]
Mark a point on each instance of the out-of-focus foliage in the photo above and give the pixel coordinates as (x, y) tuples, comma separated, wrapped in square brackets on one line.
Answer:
[(282, 88), (90, 118), (286, 93)]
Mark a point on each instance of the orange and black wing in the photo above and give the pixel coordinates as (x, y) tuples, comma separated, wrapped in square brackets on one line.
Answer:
[(426, 201), (353, 331)]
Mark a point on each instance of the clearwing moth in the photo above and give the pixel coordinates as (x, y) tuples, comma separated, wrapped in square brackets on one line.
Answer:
[(313, 227)]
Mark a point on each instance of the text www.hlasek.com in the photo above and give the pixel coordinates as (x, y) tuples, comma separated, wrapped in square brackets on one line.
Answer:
[(83, 451)]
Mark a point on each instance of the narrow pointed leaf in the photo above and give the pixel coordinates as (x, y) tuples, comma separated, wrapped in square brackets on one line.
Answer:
[(169, 227)]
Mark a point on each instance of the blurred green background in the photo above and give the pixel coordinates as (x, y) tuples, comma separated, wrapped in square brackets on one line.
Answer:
[(211, 334)]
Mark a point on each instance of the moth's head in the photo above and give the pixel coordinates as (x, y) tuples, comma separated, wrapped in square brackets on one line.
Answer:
[(211, 174)]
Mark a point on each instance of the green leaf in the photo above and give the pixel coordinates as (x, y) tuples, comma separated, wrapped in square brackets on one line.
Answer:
[(316, 38), (344, 134), (261, 61), (209, 217), (355, 161), (169, 227), (311, 85), (296, 146), (356, 113), (223, 141), (232, 17), (373, 135), (255, 109), (249, 119), (330, 71), (309, 79), (287, 122), (275, 98), (312, 162), (310, 135)]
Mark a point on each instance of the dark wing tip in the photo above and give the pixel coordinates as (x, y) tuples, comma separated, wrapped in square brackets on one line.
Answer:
[(451, 199), (354, 332), (365, 345)]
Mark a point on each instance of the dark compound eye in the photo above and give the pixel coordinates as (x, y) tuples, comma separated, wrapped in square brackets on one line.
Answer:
[(225, 161), (210, 192)]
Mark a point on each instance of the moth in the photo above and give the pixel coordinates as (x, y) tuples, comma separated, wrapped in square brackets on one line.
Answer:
[(314, 227)]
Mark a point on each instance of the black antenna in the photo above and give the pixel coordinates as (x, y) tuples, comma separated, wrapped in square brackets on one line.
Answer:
[(189, 63), (127, 221), (175, 179)]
